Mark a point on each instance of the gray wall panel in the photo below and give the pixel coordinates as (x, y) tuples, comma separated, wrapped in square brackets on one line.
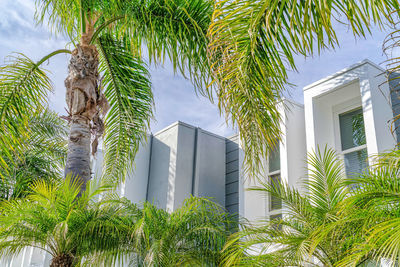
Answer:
[(184, 164), (210, 167), (394, 85), (232, 156), (232, 175)]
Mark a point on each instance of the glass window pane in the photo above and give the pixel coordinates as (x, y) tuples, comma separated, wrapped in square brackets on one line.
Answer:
[(356, 162), (274, 161), (352, 131), (275, 203)]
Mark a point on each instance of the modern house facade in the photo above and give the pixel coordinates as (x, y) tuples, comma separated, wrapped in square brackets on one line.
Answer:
[(178, 161), (349, 111), (287, 163)]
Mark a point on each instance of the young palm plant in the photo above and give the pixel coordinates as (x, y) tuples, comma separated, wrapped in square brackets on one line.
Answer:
[(374, 204), (192, 235), (54, 220), (106, 77), (290, 241)]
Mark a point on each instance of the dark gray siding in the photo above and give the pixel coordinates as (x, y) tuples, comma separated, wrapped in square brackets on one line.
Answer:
[(232, 176), (394, 84)]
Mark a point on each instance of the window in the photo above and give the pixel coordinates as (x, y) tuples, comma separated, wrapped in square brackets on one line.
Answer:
[(353, 142), (274, 174), (274, 162), (274, 202)]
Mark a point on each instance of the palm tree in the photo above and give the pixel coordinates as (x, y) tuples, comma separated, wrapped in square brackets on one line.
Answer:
[(42, 157), (54, 220), (374, 203), (107, 80), (250, 45), (253, 44), (291, 241), (192, 235)]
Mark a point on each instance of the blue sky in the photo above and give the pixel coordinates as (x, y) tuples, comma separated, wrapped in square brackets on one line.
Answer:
[(175, 98)]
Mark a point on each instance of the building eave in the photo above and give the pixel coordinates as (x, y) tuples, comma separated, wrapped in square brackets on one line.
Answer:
[(342, 72)]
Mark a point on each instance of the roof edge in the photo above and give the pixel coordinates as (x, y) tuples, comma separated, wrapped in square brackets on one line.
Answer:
[(341, 72)]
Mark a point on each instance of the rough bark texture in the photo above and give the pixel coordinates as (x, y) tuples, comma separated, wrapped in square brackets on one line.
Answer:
[(86, 105), (63, 260)]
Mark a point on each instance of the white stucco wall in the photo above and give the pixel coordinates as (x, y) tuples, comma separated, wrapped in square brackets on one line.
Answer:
[(163, 168), (135, 186), (254, 206), (196, 165), (361, 85), (293, 150)]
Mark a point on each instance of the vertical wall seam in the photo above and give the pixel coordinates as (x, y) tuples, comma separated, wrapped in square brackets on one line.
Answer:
[(196, 132), (148, 173)]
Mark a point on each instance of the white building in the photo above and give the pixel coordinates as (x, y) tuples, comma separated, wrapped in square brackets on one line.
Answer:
[(287, 162), (349, 111)]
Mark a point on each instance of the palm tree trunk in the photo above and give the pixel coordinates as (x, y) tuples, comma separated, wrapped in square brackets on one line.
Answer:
[(63, 260), (82, 99), (78, 157)]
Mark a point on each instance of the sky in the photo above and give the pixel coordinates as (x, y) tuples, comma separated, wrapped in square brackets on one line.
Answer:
[(174, 96)]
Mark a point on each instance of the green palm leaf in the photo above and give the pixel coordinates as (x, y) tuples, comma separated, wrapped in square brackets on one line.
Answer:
[(40, 153), (375, 204), (326, 181), (61, 16), (54, 220), (294, 240), (252, 48), (128, 90), (192, 235), (168, 28), (23, 92)]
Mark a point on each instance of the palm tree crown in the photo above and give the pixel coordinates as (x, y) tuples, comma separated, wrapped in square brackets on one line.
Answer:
[(108, 86), (290, 241), (54, 220), (192, 235)]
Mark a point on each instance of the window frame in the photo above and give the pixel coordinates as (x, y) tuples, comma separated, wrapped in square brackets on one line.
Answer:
[(271, 211), (349, 106)]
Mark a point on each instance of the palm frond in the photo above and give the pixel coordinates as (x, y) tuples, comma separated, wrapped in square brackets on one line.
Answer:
[(194, 234), (128, 90), (175, 29), (48, 137), (61, 16), (23, 92), (252, 47), (326, 181), (375, 203), (296, 239), (54, 220), (296, 205), (41, 157)]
